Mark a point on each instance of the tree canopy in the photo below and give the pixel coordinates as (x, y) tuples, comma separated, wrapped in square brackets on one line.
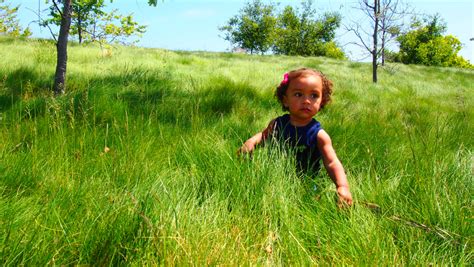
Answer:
[(425, 44), (90, 23), (253, 28), (257, 28), (301, 33), (9, 23)]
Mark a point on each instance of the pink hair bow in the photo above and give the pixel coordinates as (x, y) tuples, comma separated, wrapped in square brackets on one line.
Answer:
[(285, 80)]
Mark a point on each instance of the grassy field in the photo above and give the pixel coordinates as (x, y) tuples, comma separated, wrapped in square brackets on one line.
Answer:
[(136, 163)]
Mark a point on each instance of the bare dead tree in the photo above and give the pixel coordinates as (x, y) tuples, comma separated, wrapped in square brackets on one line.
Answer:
[(385, 22), (391, 22), (368, 40), (375, 51)]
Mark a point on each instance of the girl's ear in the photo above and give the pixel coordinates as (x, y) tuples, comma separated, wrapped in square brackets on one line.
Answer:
[(285, 101)]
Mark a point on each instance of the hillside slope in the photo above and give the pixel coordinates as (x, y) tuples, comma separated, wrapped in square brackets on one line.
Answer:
[(136, 163)]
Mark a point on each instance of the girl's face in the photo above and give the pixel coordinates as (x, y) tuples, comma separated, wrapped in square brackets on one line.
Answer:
[(303, 98)]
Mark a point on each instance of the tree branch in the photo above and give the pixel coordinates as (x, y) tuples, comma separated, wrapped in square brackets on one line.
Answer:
[(57, 8), (40, 20), (358, 34)]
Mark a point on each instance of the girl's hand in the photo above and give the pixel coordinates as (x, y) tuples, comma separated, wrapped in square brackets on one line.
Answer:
[(345, 196), (249, 145), (245, 149)]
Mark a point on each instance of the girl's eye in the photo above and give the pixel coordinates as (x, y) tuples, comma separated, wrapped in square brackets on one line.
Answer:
[(314, 96), (298, 94)]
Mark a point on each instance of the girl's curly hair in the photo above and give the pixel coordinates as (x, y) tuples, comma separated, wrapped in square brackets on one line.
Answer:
[(294, 74)]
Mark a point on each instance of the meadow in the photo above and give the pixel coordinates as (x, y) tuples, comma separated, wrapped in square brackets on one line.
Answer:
[(136, 164)]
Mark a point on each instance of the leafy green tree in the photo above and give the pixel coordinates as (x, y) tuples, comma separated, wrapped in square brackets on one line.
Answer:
[(288, 38), (425, 44), (420, 32), (59, 85), (291, 32), (84, 14), (9, 23), (253, 28), (301, 33)]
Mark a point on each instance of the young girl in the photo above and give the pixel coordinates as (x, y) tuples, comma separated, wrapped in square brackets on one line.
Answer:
[(303, 93)]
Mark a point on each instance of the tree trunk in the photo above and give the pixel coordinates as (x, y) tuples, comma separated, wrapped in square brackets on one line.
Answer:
[(383, 50), (383, 27), (61, 47), (79, 27), (374, 51)]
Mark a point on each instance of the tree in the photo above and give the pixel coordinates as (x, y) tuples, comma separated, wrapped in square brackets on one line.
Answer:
[(61, 47), (115, 28), (288, 39), (301, 33), (391, 23), (253, 28), (90, 23), (83, 15), (9, 23), (375, 12), (59, 85), (291, 32), (384, 17), (425, 44)]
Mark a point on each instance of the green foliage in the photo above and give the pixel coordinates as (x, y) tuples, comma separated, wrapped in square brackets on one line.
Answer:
[(425, 44), (91, 24), (253, 28), (9, 23), (391, 56), (257, 29), (330, 49), (135, 164), (302, 34), (115, 28)]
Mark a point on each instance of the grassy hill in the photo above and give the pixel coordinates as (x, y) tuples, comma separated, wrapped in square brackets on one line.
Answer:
[(136, 163)]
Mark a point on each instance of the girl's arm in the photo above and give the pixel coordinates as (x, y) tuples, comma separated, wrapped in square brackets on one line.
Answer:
[(250, 144), (334, 167)]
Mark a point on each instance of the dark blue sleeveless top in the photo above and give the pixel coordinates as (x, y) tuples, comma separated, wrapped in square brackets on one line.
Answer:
[(301, 140)]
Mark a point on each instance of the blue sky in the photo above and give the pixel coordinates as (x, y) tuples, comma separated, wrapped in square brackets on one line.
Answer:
[(193, 24)]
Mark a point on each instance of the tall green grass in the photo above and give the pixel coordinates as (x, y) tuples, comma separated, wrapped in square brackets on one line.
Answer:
[(136, 163)]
